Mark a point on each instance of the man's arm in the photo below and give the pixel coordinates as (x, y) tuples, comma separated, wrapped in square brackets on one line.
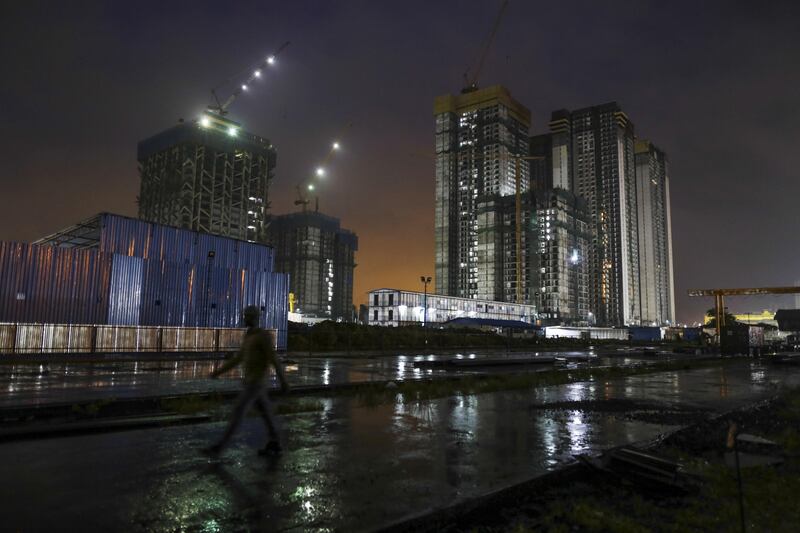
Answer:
[(280, 373), (272, 357), (227, 365)]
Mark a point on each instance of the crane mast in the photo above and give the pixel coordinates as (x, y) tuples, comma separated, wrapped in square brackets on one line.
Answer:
[(471, 80), (221, 108), (305, 187)]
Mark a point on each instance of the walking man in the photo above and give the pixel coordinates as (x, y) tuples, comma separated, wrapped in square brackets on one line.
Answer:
[(256, 355)]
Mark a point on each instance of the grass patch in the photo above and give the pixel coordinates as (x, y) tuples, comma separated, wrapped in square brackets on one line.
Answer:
[(90, 410), (193, 404), (770, 500), (410, 391), (301, 406)]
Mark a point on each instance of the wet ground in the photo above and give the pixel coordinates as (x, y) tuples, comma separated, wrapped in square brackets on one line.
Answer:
[(26, 384), (349, 467)]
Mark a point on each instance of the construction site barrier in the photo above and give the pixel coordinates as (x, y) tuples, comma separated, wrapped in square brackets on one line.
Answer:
[(22, 338)]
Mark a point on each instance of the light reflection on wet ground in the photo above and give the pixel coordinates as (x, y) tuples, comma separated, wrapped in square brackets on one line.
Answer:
[(67, 383), (346, 467)]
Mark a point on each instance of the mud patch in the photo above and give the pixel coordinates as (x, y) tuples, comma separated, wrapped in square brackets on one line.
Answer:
[(649, 412)]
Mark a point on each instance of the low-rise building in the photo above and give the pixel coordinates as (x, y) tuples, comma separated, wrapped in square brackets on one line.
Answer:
[(396, 307)]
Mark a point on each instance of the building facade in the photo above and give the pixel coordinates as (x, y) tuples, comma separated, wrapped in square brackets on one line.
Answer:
[(319, 257), (593, 157), (116, 270), (657, 294), (563, 248), (541, 169), (496, 259), (479, 136), (395, 307), (208, 175)]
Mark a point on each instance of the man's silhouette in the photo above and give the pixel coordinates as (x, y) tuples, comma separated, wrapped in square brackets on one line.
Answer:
[(256, 355)]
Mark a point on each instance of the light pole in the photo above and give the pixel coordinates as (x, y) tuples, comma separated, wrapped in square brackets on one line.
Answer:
[(425, 280)]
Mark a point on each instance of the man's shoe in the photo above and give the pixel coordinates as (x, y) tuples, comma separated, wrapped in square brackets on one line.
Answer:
[(272, 447)]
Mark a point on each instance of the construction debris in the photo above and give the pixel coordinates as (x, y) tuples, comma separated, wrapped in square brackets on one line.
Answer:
[(644, 470)]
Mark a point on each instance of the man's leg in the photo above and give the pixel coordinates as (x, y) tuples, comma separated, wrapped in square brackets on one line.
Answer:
[(243, 402), (264, 406)]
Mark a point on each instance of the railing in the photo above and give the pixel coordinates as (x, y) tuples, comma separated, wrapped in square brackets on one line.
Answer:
[(83, 338)]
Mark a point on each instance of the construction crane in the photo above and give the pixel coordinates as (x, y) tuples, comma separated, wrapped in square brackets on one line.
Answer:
[(471, 78), (304, 188), (719, 298), (221, 108)]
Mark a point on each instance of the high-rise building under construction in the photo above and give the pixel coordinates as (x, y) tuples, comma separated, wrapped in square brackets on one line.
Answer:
[(319, 256), (207, 175), (480, 136)]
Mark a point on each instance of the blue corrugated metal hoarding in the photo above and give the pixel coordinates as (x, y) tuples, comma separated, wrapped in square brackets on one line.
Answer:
[(47, 284), (136, 238), (143, 274), (645, 333)]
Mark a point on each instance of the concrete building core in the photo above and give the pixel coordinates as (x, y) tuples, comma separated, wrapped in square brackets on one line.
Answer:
[(319, 257), (208, 175)]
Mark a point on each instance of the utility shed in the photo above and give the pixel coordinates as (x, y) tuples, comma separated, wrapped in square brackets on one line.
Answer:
[(116, 270), (788, 319)]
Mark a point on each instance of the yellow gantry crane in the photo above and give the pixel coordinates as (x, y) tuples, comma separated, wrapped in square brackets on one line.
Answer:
[(720, 294)]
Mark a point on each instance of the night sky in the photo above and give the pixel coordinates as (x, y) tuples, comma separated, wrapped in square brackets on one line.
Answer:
[(714, 84)]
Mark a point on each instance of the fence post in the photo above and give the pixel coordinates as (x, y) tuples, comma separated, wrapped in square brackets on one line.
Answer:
[(14, 336), (93, 341)]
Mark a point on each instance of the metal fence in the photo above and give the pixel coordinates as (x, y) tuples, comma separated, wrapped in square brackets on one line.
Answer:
[(81, 338)]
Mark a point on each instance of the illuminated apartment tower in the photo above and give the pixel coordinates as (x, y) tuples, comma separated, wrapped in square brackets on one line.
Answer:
[(478, 134), (593, 156), (209, 176), (657, 293)]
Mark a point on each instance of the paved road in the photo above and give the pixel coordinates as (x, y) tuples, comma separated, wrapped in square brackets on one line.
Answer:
[(347, 467)]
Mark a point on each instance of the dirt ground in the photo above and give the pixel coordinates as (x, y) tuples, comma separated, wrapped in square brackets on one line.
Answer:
[(591, 501)]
